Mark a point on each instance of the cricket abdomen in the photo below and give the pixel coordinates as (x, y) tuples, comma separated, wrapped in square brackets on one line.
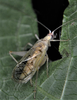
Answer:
[(28, 69), (21, 72), (17, 71), (24, 72), (34, 63)]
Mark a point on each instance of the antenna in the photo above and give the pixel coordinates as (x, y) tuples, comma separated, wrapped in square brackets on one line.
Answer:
[(64, 24), (44, 26), (57, 27)]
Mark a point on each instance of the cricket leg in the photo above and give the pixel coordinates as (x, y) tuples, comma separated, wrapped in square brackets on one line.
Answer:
[(60, 40), (37, 36), (10, 52), (28, 44), (36, 84), (47, 65), (44, 60), (31, 82), (19, 53)]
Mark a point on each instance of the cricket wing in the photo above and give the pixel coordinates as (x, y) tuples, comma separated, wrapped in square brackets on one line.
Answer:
[(19, 53), (27, 54), (40, 60)]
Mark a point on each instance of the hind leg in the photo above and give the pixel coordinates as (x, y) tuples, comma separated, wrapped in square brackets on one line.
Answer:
[(10, 52), (43, 61)]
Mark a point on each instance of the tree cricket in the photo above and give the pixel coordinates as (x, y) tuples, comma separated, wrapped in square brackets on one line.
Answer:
[(33, 59)]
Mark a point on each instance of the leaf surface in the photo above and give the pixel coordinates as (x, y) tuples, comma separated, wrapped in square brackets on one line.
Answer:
[(16, 30)]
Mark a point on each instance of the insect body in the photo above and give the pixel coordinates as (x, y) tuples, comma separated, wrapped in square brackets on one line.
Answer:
[(32, 60)]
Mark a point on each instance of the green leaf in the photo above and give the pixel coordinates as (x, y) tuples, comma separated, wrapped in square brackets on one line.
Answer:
[(17, 28)]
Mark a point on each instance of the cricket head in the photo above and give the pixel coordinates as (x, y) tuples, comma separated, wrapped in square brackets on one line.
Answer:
[(50, 36)]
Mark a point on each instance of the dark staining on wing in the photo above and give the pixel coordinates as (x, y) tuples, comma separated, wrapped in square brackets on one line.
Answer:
[(18, 70), (27, 67)]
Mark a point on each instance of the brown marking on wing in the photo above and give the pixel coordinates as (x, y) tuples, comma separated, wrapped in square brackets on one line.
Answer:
[(30, 65)]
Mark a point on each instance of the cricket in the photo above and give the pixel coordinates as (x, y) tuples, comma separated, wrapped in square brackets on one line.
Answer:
[(33, 59)]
